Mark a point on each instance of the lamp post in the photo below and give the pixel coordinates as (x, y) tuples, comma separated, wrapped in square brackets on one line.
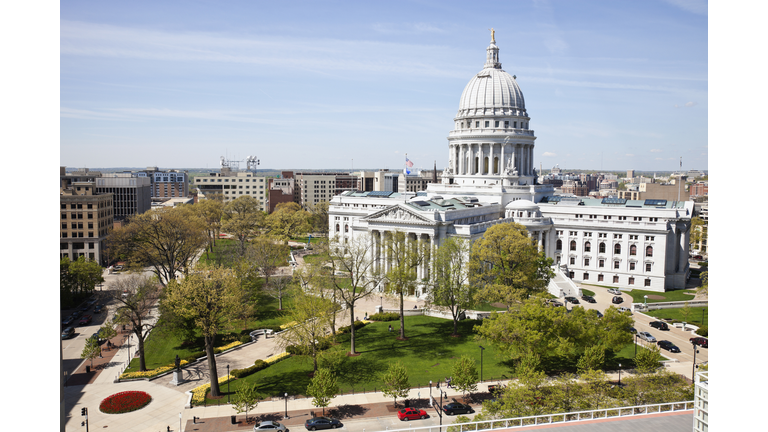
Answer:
[(228, 380), (481, 362), (693, 369), (381, 298), (286, 406), (619, 374), (635, 345), (645, 301)]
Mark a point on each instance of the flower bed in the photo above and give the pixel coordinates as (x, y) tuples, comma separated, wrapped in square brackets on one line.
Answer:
[(152, 372), (277, 358), (124, 402), (199, 392)]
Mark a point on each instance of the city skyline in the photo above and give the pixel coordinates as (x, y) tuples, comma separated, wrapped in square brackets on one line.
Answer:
[(608, 86)]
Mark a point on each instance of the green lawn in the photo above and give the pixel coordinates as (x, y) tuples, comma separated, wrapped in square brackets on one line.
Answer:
[(587, 292), (221, 252), (486, 307), (161, 348), (676, 295), (315, 240), (699, 315)]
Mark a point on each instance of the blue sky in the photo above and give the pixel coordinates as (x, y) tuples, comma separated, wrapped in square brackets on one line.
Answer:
[(608, 84)]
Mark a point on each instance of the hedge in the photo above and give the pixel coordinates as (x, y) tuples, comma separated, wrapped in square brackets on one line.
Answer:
[(385, 316), (703, 331), (346, 329)]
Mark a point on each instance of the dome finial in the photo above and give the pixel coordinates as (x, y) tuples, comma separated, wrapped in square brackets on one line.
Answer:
[(493, 35)]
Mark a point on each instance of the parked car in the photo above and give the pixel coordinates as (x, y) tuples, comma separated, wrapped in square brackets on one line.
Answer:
[(118, 267), (95, 336), (268, 425), (599, 314), (572, 299), (614, 291), (322, 423), (76, 314), (669, 346), (86, 319), (623, 309), (457, 408), (632, 330), (617, 300), (588, 299), (646, 336), (406, 414), (661, 325), (67, 333), (700, 341), (68, 320), (85, 307), (98, 308)]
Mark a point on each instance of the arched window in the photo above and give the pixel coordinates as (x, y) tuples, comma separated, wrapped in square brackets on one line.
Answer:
[(559, 245), (601, 249), (573, 245), (633, 250), (617, 248), (649, 251), (337, 227), (587, 247), (346, 228)]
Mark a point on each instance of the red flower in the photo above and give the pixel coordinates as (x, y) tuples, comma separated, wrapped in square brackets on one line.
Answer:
[(124, 402)]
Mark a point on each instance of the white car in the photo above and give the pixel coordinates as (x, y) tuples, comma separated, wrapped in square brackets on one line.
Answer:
[(614, 291), (271, 426), (646, 336), (623, 309)]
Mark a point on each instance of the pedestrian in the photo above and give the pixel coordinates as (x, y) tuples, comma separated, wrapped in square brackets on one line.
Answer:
[(390, 328)]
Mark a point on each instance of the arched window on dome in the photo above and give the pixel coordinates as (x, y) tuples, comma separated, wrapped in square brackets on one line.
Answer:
[(633, 250), (485, 165), (649, 251), (601, 248), (477, 165), (573, 245), (496, 165), (617, 248)]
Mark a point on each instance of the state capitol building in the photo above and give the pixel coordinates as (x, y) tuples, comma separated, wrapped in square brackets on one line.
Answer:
[(491, 180)]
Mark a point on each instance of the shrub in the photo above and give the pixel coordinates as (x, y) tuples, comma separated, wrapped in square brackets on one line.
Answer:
[(245, 338), (702, 331), (257, 366), (346, 329), (322, 345), (385, 316)]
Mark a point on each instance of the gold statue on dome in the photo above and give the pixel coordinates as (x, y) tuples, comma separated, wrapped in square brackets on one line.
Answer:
[(493, 35)]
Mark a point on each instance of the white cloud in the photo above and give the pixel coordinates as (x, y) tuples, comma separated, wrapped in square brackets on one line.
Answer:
[(687, 105), (698, 7), (549, 154), (656, 150), (629, 155)]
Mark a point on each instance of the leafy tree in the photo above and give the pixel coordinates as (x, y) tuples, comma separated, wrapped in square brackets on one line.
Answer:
[(323, 388), (136, 295), (405, 255), (592, 359), (507, 265), (360, 278), (319, 217), (210, 212), (464, 375), (396, 381), (288, 220), (316, 279), (246, 399), (91, 350), (529, 394), (263, 258), (659, 387), (647, 359), (533, 327), (698, 230), (78, 278), (242, 218), (165, 239), (704, 288), (596, 389), (209, 297), (686, 312), (107, 331), (310, 315), (450, 287)]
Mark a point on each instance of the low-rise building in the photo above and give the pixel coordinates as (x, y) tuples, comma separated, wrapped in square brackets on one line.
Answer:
[(86, 220), (233, 184)]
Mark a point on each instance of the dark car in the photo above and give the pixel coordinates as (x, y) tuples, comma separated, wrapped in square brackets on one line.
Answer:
[(632, 330), (571, 299), (76, 314), (588, 299), (406, 414), (322, 423), (554, 303), (700, 341), (617, 300), (98, 309), (67, 333), (659, 325), (457, 408), (68, 320), (86, 319), (669, 346), (85, 307)]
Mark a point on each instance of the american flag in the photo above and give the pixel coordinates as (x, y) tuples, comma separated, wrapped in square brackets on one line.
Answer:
[(408, 163)]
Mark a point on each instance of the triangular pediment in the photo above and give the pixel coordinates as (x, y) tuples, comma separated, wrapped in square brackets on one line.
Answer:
[(399, 214)]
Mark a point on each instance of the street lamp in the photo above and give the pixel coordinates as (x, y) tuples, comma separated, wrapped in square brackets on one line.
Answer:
[(619, 374), (635, 345), (693, 369), (286, 406), (481, 362), (228, 380), (645, 301)]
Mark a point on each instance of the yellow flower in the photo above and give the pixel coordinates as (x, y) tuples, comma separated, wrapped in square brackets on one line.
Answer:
[(290, 324), (276, 357)]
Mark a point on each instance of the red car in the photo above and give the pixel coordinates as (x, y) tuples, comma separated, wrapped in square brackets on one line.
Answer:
[(411, 414), (86, 319), (700, 341)]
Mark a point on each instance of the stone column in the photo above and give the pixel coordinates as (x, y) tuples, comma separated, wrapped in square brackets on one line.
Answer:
[(541, 245), (502, 162)]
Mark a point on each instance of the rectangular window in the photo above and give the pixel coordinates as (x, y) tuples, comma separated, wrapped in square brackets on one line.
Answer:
[(631, 266), (647, 282), (599, 278), (506, 124), (648, 267), (477, 124), (615, 279), (631, 281), (573, 261), (487, 123), (615, 264), (496, 123), (586, 276), (601, 263), (586, 262)]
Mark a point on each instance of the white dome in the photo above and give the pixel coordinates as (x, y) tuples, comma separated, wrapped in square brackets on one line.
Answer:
[(492, 91), (522, 205)]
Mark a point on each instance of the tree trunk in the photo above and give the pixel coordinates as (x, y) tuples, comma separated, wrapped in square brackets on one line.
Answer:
[(212, 366), (142, 362), (352, 329), (402, 315)]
